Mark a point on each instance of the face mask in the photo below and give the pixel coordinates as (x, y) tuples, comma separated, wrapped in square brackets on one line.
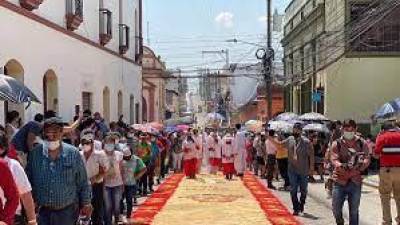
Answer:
[(52, 145), (86, 148), (348, 135), (127, 158), (109, 147)]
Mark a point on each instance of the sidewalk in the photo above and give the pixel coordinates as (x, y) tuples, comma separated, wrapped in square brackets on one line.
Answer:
[(371, 180)]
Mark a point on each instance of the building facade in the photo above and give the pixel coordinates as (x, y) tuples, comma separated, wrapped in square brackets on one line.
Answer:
[(154, 92), (341, 57), (74, 55)]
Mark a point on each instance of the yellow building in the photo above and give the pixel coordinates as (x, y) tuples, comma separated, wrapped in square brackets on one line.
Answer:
[(339, 59)]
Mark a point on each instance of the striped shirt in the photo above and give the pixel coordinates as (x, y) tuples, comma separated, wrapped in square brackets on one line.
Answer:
[(61, 182)]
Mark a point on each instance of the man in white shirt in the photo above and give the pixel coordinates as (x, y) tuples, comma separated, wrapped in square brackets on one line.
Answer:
[(240, 150), (96, 164), (271, 150), (198, 139), (23, 185)]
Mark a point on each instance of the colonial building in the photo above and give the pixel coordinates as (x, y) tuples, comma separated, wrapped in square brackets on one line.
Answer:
[(74, 55), (341, 57), (154, 91)]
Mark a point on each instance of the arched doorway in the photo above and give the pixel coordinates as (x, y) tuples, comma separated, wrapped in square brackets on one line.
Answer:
[(14, 69), (132, 109), (120, 104), (50, 91), (106, 104), (144, 110)]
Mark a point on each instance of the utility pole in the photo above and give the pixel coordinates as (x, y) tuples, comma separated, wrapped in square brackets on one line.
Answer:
[(268, 76)]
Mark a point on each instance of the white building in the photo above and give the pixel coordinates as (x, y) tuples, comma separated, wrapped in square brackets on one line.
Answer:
[(74, 54)]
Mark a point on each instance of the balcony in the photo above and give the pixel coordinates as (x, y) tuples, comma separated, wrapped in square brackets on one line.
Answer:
[(74, 14), (30, 4), (105, 26), (123, 38)]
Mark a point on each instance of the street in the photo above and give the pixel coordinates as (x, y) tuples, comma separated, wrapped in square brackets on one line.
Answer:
[(318, 210)]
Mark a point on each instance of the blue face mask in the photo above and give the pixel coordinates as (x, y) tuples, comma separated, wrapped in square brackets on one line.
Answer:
[(109, 147)]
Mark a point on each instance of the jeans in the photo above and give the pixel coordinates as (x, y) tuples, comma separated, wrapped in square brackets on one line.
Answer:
[(66, 216), (283, 170), (271, 161), (129, 194), (98, 203), (351, 192), (112, 201), (298, 181)]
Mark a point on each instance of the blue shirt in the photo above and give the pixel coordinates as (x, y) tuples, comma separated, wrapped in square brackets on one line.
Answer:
[(61, 182), (154, 152), (20, 138)]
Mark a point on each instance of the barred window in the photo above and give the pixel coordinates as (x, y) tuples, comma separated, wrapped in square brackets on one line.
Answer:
[(382, 37)]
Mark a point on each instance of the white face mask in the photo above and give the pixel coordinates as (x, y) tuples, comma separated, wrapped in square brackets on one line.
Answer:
[(52, 145), (86, 148), (348, 135), (109, 147)]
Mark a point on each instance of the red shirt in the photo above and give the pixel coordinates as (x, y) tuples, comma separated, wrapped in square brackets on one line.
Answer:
[(7, 184), (388, 148)]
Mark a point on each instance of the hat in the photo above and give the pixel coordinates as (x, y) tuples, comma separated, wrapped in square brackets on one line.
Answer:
[(54, 121), (87, 134), (127, 152)]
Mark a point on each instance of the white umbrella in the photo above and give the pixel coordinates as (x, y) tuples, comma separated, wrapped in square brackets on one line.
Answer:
[(254, 125), (287, 116), (282, 126), (316, 127), (313, 117)]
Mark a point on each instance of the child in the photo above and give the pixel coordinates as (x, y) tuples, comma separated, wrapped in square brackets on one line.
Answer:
[(228, 157)]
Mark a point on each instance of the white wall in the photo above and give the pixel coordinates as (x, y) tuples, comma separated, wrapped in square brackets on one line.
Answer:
[(55, 10), (78, 66), (356, 88)]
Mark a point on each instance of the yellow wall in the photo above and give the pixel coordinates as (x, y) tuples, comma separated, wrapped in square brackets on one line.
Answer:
[(356, 88)]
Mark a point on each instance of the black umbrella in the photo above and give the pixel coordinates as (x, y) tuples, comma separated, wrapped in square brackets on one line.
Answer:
[(15, 91)]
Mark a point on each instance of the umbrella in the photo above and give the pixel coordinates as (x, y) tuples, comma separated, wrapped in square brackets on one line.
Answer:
[(215, 116), (254, 125), (287, 116), (388, 110), (316, 127), (15, 91), (282, 126), (182, 127), (137, 126), (156, 125), (313, 117)]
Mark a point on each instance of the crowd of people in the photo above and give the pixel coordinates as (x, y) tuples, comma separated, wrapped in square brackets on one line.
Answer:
[(90, 172)]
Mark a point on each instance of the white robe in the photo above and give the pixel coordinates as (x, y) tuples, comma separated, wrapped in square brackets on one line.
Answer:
[(199, 142), (239, 144), (216, 146), (228, 151)]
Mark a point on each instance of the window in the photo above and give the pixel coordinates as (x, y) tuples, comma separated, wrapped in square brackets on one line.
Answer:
[(105, 26), (384, 36), (86, 101), (137, 107), (74, 14), (123, 38)]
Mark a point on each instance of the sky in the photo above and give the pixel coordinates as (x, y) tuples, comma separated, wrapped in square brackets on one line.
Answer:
[(179, 30)]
